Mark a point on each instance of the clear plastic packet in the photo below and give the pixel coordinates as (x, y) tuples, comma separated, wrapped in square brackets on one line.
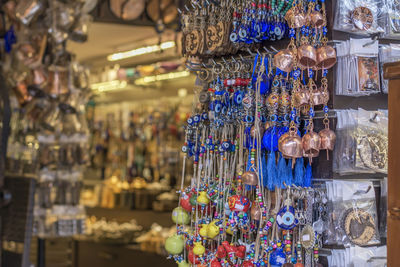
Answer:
[(392, 19), (387, 53), (357, 67), (383, 205), (360, 16), (372, 141), (356, 215)]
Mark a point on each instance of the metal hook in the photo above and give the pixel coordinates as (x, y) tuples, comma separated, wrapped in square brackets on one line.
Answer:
[(249, 51), (179, 11), (266, 50), (223, 59), (187, 9), (273, 48), (233, 59), (208, 3), (213, 61), (372, 41), (241, 57)]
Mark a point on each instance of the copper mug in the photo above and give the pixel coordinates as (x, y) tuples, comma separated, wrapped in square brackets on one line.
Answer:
[(295, 18), (326, 57), (319, 96), (291, 145), (58, 82), (284, 60), (307, 56), (302, 97), (28, 10), (311, 144), (317, 19), (250, 178), (328, 140)]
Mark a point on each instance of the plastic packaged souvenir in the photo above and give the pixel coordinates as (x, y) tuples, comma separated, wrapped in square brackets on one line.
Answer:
[(360, 16)]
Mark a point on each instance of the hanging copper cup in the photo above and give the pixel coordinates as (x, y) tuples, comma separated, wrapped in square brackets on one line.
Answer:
[(326, 57), (284, 60), (301, 96), (328, 139), (311, 144), (319, 96), (28, 10), (22, 93), (250, 178), (307, 56), (291, 146), (317, 19), (255, 212), (58, 82), (295, 18)]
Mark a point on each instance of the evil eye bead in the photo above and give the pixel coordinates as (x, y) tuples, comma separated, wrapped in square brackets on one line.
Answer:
[(190, 121), (226, 145), (221, 148), (204, 116), (242, 33), (217, 106), (273, 117), (208, 141), (185, 149), (196, 119), (249, 118), (223, 110), (238, 98), (288, 218), (202, 149), (233, 37), (277, 31)]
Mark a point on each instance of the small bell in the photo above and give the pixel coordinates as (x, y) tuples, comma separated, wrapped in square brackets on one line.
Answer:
[(250, 178)]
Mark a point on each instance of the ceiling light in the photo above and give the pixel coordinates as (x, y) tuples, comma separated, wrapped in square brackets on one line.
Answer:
[(109, 86), (141, 51), (162, 77)]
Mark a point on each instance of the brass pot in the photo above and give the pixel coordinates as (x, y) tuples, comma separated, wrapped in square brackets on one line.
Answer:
[(284, 60), (326, 57), (307, 56)]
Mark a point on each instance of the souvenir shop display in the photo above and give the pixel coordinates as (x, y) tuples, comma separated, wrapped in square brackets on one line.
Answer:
[(360, 16), (362, 145), (252, 140), (49, 129), (112, 232), (357, 71)]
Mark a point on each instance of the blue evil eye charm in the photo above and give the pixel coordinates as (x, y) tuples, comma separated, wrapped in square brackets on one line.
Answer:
[(277, 31), (277, 258), (202, 149), (204, 116), (217, 106), (223, 110), (248, 118), (196, 119), (185, 149), (233, 37), (190, 121), (226, 145), (208, 141), (221, 148), (265, 85), (242, 33), (286, 219), (238, 97)]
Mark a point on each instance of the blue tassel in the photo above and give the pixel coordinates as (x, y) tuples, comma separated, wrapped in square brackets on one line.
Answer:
[(308, 176), (264, 170), (289, 173), (299, 172), (281, 171), (248, 163), (272, 171)]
